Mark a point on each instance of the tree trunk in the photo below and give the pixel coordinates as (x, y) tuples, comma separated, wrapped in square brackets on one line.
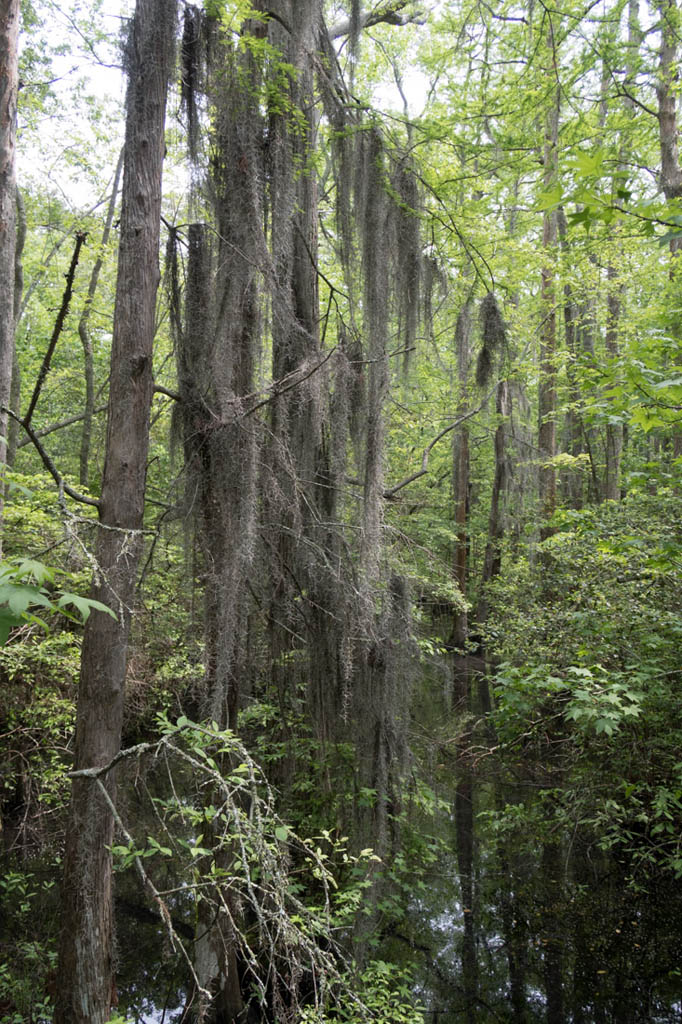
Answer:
[(460, 468), (296, 417), (9, 83), (217, 352), (86, 966), (15, 391), (547, 387), (671, 172), (573, 479), (464, 791), (84, 333), (493, 549), (614, 425), (614, 430)]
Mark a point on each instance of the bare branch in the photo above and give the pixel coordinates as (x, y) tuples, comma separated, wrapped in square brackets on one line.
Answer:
[(58, 326), (391, 13), (49, 464), (159, 389), (60, 425), (147, 884), (427, 451), (281, 386)]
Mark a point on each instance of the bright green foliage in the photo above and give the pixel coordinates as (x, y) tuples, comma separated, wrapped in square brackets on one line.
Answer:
[(23, 587), (580, 635), (592, 692), (383, 994)]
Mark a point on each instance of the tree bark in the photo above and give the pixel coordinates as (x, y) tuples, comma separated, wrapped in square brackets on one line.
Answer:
[(493, 549), (573, 480), (296, 449), (15, 391), (84, 333), (614, 430), (547, 387), (671, 172), (9, 84), (460, 468), (86, 966), (217, 352)]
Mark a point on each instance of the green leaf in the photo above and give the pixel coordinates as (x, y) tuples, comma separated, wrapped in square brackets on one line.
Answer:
[(84, 605), (550, 199), (21, 596), (8, 621), (588, 164), (40, 572)]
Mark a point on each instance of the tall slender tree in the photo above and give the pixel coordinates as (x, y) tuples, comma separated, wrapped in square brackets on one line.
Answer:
[(668, 131), (548, 341), (9, 84), (86, 962)]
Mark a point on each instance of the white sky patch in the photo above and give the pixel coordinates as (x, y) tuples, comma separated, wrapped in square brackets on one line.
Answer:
[(70, 149), (415, 86)]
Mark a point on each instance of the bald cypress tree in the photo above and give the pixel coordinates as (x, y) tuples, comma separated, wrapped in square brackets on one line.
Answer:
[(297, 597)]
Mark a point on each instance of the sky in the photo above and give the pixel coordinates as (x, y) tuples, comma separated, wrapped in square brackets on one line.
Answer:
[(74, 156), (59, 149)]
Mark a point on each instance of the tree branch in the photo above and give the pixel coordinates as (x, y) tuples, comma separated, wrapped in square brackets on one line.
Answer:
[(159, 389), (427, 451), (49, 464), (59, 324), (389, 14), (280, 386), (60, 425), (147, 884)]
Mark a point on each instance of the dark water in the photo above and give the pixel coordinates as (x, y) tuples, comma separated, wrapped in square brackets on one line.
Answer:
[(550, 930)]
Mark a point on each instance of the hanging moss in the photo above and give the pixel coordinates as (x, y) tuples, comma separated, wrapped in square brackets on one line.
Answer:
[(376, 291), (278, 518), (433, 277), (354, 34), (407, 253), (192, 65), (493, 336)]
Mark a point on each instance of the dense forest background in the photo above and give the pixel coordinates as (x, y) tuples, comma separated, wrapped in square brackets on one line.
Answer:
[(341, 534)]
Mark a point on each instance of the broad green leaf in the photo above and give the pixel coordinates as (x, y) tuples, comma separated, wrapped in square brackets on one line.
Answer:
[(84, 605)]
